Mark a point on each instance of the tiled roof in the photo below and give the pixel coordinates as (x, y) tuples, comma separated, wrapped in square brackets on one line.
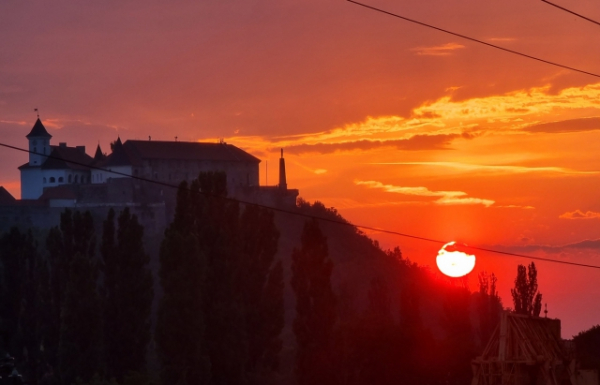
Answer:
[(61, 158), (38, 130)]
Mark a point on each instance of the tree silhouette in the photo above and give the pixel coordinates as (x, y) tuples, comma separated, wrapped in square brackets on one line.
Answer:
[(180, 329), (315, 307), (222, 312), (489, 306), (127, 297), (526, 298)]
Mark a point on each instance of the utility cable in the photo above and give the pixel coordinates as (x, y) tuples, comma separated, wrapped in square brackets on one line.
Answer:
[(473, 39), (571, 12), (297, 213)]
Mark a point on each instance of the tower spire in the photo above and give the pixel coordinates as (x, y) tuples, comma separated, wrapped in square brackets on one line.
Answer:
[(282, 176)]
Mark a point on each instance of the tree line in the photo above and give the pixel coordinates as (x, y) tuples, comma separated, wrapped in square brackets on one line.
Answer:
[(74, 311), (69, 312)]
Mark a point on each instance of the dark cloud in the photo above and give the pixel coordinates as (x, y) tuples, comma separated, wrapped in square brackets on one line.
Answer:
[(415, 143), (588, 244), (572, 125)]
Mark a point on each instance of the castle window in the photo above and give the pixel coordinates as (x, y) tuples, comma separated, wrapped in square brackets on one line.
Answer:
[(69, 178), (44, 180), (60, 179), (52, 180)]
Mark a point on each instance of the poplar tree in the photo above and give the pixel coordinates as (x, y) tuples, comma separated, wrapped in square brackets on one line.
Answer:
[(128, 295), (24, 300), (180, 330), (222, 311), (75, 328), (315, 307), (526, 298), (261, 289)]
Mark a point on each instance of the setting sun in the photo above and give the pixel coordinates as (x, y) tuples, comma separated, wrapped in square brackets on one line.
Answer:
[(453, 262)]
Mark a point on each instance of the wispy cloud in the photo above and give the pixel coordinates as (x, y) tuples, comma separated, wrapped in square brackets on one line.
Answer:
[(571, 125), (445, 197), (497, 169), (578, 214), (502, 39), (439, 50), (414, 143)]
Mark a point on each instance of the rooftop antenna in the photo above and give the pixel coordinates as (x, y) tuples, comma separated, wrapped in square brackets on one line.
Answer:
[(37, 112), (149, 138), (176, 139)]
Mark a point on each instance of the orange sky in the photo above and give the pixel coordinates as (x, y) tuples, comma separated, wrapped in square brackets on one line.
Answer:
[(395, 125)]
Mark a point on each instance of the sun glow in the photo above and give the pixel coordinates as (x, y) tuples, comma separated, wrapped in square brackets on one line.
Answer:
[(453, 262)]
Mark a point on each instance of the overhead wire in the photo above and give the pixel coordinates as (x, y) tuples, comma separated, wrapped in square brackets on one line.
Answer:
[(474, 39), (571, 12), (301, 214)]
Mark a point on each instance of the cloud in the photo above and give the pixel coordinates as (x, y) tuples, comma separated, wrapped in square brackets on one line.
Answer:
[(578, 214), (440, 50), (502, 39), (516, 207), (445, 197), (414, 143), (587, 244), (571, 125), (495, 169)]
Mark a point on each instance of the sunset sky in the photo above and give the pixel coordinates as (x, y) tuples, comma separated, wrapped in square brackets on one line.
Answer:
[(395, 125)]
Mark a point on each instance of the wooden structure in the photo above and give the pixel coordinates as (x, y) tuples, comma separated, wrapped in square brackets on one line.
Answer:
[(525, 350)]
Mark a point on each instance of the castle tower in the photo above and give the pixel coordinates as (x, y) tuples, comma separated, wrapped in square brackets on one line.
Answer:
[(282, 178), (39, 144)]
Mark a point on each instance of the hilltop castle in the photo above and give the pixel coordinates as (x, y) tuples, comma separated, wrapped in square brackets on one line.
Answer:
[(136, 174)]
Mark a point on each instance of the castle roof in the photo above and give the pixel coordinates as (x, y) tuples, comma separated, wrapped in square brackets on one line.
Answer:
[(133, 152), (38, 130), (61, 157), (119, 156)]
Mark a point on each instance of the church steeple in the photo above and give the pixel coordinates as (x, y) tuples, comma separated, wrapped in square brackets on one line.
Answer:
[(39, 144), (282, 177)]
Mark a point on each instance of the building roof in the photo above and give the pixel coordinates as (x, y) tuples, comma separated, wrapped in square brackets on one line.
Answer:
[(99, 155), (120, 156), (61, 157), (58, 192), (141, 149), (5, 197), (38, 130)]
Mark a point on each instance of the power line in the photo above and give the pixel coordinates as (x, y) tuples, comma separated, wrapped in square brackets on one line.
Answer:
[(473, 39), (297, 213), (571, 12)]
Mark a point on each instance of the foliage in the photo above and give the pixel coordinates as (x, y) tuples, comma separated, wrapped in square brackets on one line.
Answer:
[(127, 293), (222, 310), (24, 300), (587, 347), (74, 277), (526, 298), (489, 306), (315, 307)]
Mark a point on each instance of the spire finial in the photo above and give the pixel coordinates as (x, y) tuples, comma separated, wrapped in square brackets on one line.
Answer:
[(546, 310), (282, 153), (37, 112)]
